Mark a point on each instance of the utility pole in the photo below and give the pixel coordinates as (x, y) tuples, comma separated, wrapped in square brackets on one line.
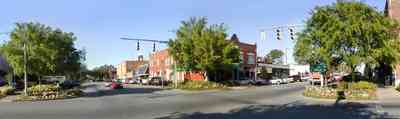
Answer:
[(25, 65)]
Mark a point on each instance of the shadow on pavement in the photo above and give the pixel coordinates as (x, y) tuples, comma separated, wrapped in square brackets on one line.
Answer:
[(287, 111), (123, 91)]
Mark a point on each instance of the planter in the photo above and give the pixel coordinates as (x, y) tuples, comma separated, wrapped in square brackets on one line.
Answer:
[(331, 93)]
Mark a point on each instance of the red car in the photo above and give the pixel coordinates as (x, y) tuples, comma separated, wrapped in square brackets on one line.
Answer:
[(115, 85)]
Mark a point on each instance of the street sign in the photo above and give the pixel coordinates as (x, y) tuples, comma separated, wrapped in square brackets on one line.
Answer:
[(318, 68)]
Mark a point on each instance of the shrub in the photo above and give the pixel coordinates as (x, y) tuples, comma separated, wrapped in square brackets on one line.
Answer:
[(398, 88), (363, 85), (75, 92), (7, 90), (40, 90), (199, 85)]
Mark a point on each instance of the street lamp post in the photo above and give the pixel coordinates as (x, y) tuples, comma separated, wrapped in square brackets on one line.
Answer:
[(25, 74)]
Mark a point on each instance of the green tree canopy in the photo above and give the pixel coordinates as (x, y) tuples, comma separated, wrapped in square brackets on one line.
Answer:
[(103, 71), (49, 51), (275, 56), (349, 33), (198, 46)]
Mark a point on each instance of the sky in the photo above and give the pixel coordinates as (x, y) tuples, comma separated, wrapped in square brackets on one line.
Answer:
[(99, 24)]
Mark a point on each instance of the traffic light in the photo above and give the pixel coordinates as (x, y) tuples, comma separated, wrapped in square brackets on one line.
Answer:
[(278, 34), (154, 47), (138, 46), (291, 33)]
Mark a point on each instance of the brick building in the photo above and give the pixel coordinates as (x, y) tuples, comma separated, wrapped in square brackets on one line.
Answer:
[(127, 68), (392, 10), (161, 64), (248, 56)]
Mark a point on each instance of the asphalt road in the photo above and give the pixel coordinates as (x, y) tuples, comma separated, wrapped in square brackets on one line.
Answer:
[(284, 101)]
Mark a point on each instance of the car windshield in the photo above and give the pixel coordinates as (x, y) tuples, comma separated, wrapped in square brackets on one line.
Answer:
[(199, 59)]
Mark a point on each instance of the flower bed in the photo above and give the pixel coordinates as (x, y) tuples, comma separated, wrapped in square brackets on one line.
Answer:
[(200, 85), (49, 92), (351, 91)]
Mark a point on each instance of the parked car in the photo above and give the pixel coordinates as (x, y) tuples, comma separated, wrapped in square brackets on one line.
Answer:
[(296, 78), (132, 81), (242, 81), (68, 84), (306, 78), (116, 85), (107, 84), (158, 81), (2, 82), (287, 80), (260, 81), (276, 81)]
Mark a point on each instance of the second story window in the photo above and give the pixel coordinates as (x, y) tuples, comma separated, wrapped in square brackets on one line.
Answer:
[(241, 57), (250, 58)]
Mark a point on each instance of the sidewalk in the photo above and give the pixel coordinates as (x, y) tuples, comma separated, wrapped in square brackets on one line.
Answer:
[(389, 99), (9, 98)]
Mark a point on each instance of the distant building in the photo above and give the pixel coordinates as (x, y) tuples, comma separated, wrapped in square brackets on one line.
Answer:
[(392, 10), (299, 69), (127, 69), (274, 70)]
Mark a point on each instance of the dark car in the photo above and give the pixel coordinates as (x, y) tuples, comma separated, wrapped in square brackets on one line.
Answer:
[(157, 81), (68, 84), (2, 82), (296, 78)]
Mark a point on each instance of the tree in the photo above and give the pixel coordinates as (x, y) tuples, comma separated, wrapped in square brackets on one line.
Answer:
[(201, 47), (350, 34), (103, 72), (275, 56), (49, 51)]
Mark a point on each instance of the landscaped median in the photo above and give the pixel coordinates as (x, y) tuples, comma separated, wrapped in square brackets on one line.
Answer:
[(197, 85), (344, 90), (49, 92)]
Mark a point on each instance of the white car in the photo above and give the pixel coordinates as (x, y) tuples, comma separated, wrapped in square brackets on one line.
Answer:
[(132, 81), (276, 81), (287, 80), (145, 81), (107, 84)]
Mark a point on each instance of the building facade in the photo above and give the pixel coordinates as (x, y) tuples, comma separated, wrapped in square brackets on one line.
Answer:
[(127, 69), (248, 59), (161, 64)]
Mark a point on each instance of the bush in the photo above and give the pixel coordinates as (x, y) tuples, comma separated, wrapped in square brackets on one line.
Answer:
[(361, 85), (7, 90), (75, 92), (199, 85), (41, 90), (398, 88)]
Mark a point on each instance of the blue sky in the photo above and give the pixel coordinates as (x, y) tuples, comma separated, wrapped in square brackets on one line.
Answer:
[(98, 24)]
